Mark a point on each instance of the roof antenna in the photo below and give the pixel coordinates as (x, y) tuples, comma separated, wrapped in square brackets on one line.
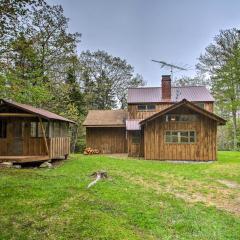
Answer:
[(171, 66)]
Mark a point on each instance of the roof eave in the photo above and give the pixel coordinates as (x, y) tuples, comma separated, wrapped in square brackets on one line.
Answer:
[(104, 125), (37, 114)]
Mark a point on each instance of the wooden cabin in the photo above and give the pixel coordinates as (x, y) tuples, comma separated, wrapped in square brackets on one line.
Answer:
[(162, 123), (30, 134)]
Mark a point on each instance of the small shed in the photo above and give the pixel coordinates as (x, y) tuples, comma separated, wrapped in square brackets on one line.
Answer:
[(106, 130), (30, 134)]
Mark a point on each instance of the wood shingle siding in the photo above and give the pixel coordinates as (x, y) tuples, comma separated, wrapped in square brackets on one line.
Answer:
[(107, 139)]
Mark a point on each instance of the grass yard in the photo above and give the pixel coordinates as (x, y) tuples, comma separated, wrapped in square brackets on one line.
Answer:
[(140, 200)]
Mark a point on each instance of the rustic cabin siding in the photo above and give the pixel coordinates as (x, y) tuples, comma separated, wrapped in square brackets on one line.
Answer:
[(203, 150), (208, 106), (107, 139), (135, 149), (59, 147), (34, 146), (133, 112)]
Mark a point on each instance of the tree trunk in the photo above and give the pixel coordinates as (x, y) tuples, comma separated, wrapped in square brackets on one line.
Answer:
[(234, 116), (74, 138)]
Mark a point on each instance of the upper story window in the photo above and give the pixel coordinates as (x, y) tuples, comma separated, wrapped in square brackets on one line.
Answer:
[(3, 129), (200, 104), (181, 117), (147, 107)]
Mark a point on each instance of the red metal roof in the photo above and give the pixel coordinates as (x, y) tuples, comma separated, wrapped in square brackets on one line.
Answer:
[(39, 112), (154, 94)]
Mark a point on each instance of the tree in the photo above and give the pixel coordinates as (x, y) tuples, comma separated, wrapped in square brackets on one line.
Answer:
[(105, 79), (222, 62), (11, 11), (198, 80)]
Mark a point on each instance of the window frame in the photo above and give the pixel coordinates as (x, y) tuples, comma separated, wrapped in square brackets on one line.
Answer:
[(38, 129), (179, 136)]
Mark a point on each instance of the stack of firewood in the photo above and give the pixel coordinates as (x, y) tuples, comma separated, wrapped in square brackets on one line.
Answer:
[(89, 151)]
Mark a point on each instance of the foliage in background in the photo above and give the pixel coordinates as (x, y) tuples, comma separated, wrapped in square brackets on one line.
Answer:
[(39, 65), (221, 61), (199, 80), (106, 79)]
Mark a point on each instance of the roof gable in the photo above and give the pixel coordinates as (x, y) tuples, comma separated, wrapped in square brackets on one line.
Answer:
[(37, 111), (154, 94), (107, 118), (191, 106)]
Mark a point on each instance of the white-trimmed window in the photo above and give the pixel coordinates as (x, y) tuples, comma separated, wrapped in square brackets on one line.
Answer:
[(180, 136), (146, 107), (181, 118)]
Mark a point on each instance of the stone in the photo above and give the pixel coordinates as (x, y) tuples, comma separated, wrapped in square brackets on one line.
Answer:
[(17, 166), (6, 164), (46, 165)]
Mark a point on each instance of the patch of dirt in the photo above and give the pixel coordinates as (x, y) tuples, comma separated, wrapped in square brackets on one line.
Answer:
[(229, 184), (192, 191)]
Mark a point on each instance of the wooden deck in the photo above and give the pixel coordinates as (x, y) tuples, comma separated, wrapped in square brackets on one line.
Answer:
[(23, 159)]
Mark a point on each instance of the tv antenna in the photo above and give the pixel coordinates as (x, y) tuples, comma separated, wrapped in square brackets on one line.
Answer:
[(171, 66)]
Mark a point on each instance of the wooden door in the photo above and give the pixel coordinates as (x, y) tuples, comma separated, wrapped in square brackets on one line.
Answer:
[(16, 143)]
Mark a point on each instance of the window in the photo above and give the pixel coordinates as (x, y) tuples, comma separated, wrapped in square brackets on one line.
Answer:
[(57, 129), (136, 137), (181, 118), (36, 129), (3, 129), (45, 126), (180, 136), (149, 107), (200, 104)]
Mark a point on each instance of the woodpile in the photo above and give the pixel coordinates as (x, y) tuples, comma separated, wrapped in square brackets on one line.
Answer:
[(89, 151)]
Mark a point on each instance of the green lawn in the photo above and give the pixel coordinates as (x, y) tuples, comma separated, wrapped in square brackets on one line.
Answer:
[(139, 200)]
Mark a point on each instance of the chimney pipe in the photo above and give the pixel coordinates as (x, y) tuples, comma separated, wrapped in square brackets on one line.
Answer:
[(166, 87)]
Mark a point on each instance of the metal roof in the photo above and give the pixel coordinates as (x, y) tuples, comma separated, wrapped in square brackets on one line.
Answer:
[(37, 111), (108, 118), (133, 124), (154, 94)]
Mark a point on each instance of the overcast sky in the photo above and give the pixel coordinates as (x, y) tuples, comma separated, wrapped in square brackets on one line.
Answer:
[(175, 31)]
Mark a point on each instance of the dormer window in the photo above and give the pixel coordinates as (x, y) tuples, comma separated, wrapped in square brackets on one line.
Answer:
[(146, 107)]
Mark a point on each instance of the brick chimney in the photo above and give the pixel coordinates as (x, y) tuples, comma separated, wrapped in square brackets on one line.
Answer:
[(166, 87)]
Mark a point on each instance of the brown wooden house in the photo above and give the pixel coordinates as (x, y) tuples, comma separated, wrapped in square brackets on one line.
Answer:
[(30, 134), (162, 123)]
